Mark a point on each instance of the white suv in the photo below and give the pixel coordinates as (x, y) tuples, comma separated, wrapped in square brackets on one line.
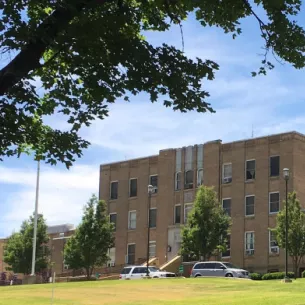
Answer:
[(138, 272)]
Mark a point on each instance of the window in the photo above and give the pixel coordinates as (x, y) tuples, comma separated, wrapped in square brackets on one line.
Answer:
[(227, 252), (250, 169), (227, 173), (249, 243), (112, 219), (187, 210), (111, 254), (274, 166), (274, 202), (131, 254), (114, 185), (152, 218), (200, 266), (139, 270), (200, 177), (132, 220), (153, 180), (178, 181), (177, 214), (152, 249), (273, 245), (226, 205), (133, 187), (188, 181), (249, 205)]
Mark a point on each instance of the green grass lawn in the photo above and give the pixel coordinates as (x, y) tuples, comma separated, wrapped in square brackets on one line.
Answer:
[(203, 291)]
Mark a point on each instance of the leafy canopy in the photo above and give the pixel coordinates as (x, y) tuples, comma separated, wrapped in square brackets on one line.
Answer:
[(88, 247), (207, 226), (86, 54), (296, 230), (19, 247)]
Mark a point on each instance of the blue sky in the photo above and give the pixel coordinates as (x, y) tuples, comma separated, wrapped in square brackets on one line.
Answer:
[(271, 104)]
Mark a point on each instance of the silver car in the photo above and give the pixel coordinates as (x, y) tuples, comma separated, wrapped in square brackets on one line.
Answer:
[(218, 269)]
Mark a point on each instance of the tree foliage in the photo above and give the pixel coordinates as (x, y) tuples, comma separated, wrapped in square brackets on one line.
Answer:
[(296, 230), (88, 247), (207, 226), (86, 54), (19, 247)]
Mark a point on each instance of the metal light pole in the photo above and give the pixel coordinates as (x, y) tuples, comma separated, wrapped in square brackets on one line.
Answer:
[(286, 177), (35, 220), (150, 191)]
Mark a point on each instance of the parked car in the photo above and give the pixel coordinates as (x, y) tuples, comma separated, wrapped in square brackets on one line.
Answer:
[(218, 269), (138, 272)]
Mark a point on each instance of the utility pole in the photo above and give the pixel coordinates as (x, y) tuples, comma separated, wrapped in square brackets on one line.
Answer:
[(35, 220)]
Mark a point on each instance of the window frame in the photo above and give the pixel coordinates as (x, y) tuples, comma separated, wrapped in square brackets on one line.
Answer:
[(250, 232), (176, 181), (274, 156), (114, 181), (155, 186), (228, 198), (153, 242), (223, 172), (190, 185), (246, 170), (199, 170), (271, 213), (277, 246), (149, 218), (114, 213), (136, 195), (129, 218), (184, 208), (250, 215), (127, 252), (177, 205)]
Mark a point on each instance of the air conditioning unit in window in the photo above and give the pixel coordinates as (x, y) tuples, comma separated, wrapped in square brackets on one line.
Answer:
[(275, 250), (227, 180), (250, 252)]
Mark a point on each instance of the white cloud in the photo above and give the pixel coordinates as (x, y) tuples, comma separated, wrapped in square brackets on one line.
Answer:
[(62, 194)]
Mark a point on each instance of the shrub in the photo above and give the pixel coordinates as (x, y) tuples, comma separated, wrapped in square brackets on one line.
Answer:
[(303, 273), (256, 276), (277, 276), (80, 279)]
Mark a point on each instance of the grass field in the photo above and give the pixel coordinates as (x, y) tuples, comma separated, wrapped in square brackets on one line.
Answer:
[(150, 292)]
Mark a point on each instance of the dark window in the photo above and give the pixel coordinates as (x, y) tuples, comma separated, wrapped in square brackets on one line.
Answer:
[(249, 208), (114, 190), (219, 266), (126, 271), (113, 220), (209, 266), (177, 214), (138, 270), (274, 202), (152, 218), (133, 187), (200, 266), (274, 166), (227, 252), (178, 180), (153, 180), (188, 180), (226, 205), (250, 170), (131, 254)]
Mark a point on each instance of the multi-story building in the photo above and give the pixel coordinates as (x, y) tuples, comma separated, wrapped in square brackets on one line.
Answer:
[(247, 176)]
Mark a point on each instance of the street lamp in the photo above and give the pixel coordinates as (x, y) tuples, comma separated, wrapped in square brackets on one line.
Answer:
[(286, 177), (150, 190)]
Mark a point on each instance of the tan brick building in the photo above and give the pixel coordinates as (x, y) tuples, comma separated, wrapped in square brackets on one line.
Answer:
[(247, 176)]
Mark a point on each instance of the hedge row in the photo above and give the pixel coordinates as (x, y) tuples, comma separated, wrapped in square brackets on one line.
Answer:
[(271, 276)]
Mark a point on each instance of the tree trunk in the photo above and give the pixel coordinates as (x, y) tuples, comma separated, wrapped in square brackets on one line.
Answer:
[(88, 273), (28, 58)]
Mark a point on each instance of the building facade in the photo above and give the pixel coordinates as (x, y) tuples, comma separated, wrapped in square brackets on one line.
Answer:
[(247, 176)]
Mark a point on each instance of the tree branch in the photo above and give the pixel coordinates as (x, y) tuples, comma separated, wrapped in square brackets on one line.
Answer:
[(28, 58)]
